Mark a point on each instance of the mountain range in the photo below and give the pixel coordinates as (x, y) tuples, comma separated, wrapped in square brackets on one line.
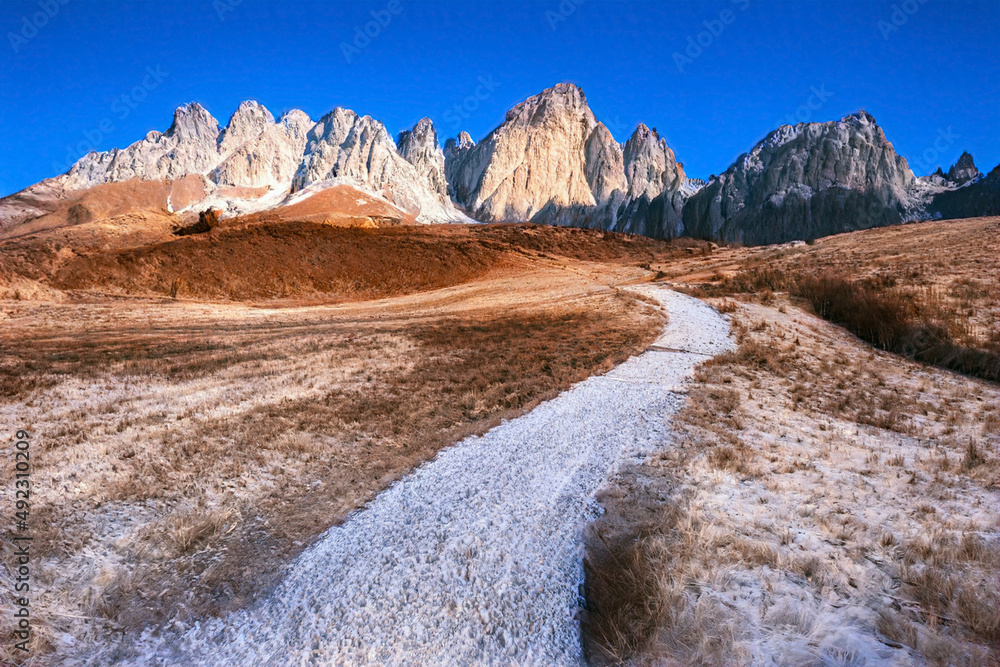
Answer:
[(550, 162)]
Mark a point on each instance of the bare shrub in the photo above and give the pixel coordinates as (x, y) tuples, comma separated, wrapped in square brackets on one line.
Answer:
[(873, 316), (887, 319)]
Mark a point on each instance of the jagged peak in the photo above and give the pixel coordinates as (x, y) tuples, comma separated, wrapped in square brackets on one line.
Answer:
[(247, 123), (423, 125), (250, 110), (644, 133), (192, 121), (964, 170), (462, 143), (965, 161), (565, 88), (339, 112), (295, 116), (342, 117), (562, 96), (860, 117), (641, 131), (785, 133), (645, 139), (422, 133)]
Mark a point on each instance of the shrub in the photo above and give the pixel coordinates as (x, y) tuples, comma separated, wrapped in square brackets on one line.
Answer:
[(881, 318), (887, 319)]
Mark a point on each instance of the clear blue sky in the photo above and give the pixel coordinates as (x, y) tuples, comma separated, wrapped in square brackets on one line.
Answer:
[(934, 79)]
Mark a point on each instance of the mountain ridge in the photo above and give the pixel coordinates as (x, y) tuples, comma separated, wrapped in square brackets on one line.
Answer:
[(550, 161)]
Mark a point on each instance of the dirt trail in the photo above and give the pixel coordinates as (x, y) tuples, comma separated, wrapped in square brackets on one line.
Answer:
[(474, 558)]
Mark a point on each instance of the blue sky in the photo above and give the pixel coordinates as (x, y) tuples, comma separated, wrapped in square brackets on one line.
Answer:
[(713, 77)]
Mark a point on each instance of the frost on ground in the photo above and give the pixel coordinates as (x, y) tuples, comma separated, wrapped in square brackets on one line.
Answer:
[(475, 558), (819, 503)]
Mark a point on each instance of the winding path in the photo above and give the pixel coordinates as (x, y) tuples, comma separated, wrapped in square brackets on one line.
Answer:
[(476, 556)]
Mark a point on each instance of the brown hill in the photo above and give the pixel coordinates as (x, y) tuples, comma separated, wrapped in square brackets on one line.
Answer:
[(43, 209), (278, 260), (345, 206)]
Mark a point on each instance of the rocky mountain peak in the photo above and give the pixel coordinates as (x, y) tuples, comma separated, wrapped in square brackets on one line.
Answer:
[(247, 123), (454, 156), (534, 163), (254, 153), (193, 123), (296, 117), (420, 148), (803, 181), (345, 148), (964, 170), (551, 161), (296, 125), (422, 135), (859, 118), (562, 101), (643, 133), (650, 165), (258, 152), (452, 147)]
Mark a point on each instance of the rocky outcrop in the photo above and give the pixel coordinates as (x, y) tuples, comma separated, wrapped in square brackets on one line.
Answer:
[(251, 151), (348, 149), (256, 163), (455, 151), (964, 170), (535, 160), (805, 181), (976, 198), (189, 146), (420, 148), (656, 181), (552, 162), (257, 152)]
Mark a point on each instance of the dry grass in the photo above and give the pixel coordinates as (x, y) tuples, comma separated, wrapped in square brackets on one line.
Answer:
[(819, 501), (187, 451), (265, 259), (944, 275), (284, 260)]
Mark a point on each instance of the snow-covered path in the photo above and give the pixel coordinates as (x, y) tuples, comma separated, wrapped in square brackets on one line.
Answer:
[(475, 557)]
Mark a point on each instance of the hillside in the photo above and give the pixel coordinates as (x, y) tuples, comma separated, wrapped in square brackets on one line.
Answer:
[(821, 497)]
